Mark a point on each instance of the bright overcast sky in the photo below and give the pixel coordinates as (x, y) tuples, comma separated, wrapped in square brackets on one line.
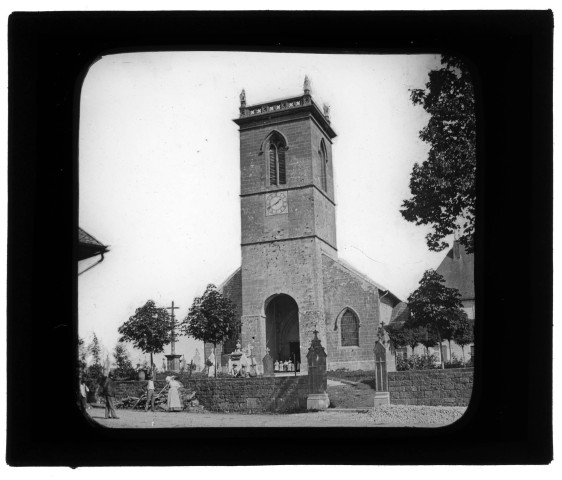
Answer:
[(159, 171)]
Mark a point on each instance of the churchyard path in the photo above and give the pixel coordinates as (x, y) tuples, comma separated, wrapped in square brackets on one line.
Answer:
[(338, 418)]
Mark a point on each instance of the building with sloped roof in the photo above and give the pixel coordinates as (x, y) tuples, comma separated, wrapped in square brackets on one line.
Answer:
[(457, 268), (88, 248)]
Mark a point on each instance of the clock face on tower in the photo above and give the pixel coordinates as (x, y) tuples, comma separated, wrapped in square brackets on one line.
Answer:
[(276, 203)]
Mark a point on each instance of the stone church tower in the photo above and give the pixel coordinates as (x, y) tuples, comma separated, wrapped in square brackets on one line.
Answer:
[(291, 281)]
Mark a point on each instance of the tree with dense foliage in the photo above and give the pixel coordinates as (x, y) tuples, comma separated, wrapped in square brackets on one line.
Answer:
[(82, 354), (125, 367), (449, 331), (94, 349), (396, 337), (464, 335), (434, 306), (443, 187), (149, 329), (428, 338), (90, 371), (413, 336), (212, 319)]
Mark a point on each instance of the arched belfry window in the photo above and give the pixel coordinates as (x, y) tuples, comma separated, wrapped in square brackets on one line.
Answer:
[(323, 161), (349, 329), (276, 159)]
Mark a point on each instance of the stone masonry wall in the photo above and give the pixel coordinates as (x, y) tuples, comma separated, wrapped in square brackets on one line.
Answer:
[(343, 289), (273, 394), (451, 387)]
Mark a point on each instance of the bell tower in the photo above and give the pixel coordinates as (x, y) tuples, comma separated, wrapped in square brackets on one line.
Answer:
[(288, 221)]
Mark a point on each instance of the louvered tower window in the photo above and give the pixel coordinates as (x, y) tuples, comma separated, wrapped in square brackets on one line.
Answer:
[(277, 168), (323, 162), (349, 330)]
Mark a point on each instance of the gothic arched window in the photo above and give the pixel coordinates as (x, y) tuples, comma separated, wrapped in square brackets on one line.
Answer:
[(323, 161), (276, 156), (349, 329)]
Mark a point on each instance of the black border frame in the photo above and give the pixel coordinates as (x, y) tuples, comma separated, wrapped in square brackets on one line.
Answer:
[(511, 53)]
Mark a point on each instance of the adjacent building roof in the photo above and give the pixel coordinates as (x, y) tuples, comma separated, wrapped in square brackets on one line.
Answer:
[(458, 270), (400, 313), (88, 246), (367, 279)]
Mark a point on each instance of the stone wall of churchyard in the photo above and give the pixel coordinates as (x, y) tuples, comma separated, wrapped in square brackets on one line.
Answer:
[(260, 394), (452, 387)]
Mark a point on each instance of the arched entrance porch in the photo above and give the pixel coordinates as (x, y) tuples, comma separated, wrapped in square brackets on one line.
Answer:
[(282, 329)]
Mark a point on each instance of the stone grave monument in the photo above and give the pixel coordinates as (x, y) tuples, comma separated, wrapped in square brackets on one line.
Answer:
[(252, 367), (317, 380), (267, 364), (382, 395), (197, 360), (235, 361), (211, 368)]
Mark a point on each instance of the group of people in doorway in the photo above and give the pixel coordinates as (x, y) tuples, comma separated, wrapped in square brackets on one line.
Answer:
[(286, 366), (107, 387)]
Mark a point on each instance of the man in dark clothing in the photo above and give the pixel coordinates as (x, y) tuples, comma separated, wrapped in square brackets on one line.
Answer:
[(109, 394)]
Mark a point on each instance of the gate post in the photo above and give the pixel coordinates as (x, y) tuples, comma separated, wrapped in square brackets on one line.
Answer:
[(317, 381), (382, 395)]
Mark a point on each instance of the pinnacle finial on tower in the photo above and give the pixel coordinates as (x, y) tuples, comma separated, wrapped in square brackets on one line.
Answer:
[(327, 111), (306, 86), (243, 98)]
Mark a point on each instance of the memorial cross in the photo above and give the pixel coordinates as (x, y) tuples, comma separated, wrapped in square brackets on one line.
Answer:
[(173, 344)]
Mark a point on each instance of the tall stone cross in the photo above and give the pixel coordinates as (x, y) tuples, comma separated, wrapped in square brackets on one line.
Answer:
[(173, 344)]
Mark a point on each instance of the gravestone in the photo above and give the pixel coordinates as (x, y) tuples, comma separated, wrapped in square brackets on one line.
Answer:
[(382, 395), (211, 368), (267, 364), (385, 340), (225, 362), (317, 380), (197, 361)]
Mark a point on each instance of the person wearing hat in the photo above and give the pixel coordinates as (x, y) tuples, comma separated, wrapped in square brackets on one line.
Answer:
[(109, 394)]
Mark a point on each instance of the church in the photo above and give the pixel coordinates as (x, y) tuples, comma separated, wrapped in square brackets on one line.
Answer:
[(291, 281)]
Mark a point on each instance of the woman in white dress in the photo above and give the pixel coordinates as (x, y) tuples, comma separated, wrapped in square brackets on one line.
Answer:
[(174, 402)]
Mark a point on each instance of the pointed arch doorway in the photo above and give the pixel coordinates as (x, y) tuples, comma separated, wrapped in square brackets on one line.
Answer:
[(282, 329)]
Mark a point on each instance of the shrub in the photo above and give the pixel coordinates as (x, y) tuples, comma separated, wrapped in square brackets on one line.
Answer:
[(125, 373), (417, 362), (454, 362), (93, 376)]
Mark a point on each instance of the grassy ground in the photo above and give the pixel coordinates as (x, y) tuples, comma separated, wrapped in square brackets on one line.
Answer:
[(359, 393)]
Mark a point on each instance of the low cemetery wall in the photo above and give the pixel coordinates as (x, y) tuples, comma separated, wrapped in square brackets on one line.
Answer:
[(452, 387), (259, 394)]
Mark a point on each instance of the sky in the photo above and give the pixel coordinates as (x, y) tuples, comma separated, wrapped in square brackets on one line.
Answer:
[(159, 177)]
